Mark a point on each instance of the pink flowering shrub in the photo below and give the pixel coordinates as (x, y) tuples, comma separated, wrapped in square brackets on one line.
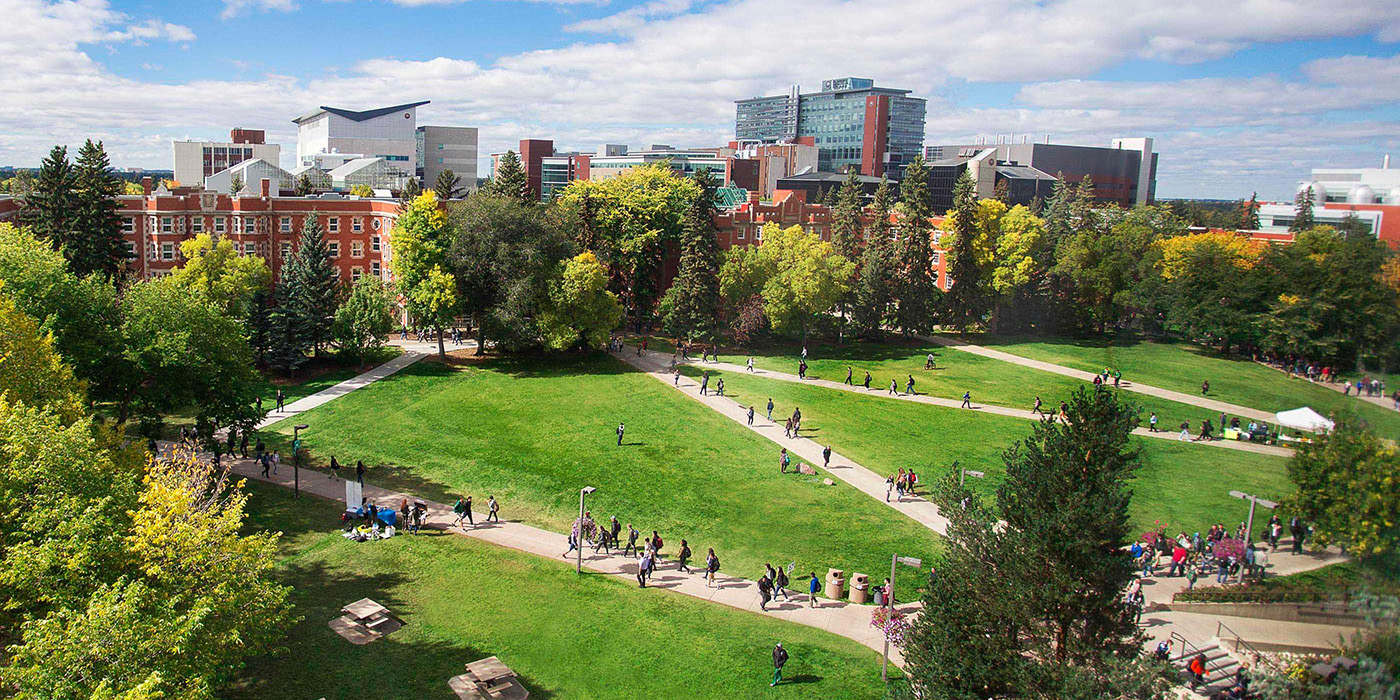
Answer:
[(1229, 548), (894, 624)]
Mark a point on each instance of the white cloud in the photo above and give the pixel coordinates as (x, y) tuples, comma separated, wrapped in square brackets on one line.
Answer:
[(633, 18), (233, 8)]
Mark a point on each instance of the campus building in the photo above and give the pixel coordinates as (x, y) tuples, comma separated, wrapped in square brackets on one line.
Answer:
[(548, 171), (387, 132), (196, 160), (1125, 173), (442, 148), (249, 173), (1372, 195), (852, 123)]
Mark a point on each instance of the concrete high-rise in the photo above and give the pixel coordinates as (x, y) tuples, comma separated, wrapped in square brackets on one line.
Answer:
[(388, 132), (447, 148), (852, 122)]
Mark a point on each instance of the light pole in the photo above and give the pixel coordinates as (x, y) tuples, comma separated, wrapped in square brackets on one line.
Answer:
[(578, 566), (895, 561), (296, 459), (1253, 501)]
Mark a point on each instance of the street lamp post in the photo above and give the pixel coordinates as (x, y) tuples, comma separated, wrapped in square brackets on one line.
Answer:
[(578, 565), (1253, 501), (895, 561), (296, 459)]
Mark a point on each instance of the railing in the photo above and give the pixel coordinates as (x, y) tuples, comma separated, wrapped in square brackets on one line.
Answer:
[(1221, 627), (1189, 650)]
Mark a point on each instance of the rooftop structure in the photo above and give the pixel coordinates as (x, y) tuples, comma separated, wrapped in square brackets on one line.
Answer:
[(196, 160), (1125, 173), (250, 173), (389, 133)]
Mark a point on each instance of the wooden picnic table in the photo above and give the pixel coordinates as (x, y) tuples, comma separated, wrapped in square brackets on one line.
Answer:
[(364, 609), (489, 670)]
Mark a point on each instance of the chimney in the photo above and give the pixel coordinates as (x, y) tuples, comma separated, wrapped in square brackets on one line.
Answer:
[(266, 187), (146, 186)]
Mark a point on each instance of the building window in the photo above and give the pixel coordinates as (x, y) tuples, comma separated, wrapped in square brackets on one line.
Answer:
[(286, 250), (197, 224), (167, 251), (130, 248), (357, 249), (356, 273), (937, 237), (250, 225), (334, 248), (935, 257), (333, 224), (357, 225), (742, 234), (758, 233), (286, 224), (218, 224), (374, 243), (374, 268), (250, 248), (129, 225), (167, 224)]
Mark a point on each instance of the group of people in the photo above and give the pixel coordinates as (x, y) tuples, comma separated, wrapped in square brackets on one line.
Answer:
[(462, 511), (902, 483), (1101, 379)]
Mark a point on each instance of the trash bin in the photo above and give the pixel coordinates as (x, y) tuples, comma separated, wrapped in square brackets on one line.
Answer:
[(880, 596), (860, 588), (835, 583)]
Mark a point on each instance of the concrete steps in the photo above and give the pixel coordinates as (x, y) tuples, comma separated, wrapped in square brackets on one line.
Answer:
[(1221, 667)]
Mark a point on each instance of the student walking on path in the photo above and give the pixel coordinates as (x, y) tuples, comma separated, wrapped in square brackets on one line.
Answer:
[(281, 399), (749, 365), (867, 381), (750, 415), (967, 399), (849, 383), (711, 567), (335, 466), (493, 510), (780, 657), (783, 461), (894, 387), (765, 592), (1036, 408), (826, 457), (683, 558), (814, 585), (770, 409), (909, 388)]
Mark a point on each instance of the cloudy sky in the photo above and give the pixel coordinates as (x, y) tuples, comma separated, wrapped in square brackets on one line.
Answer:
[(1241, 95)]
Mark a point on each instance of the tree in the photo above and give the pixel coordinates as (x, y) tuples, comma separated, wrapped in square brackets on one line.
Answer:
[(304, 186), (845, 217), (1349, 489), (420, 240), (95, 243), (1015, 265), (1109, 256), (581, 310), (1249, 213), (503, 254), (1303, 214), (411, 189), (874, 290), (51, 208), (1210, 285), (915, 289), (1026, 602), (1351, 226), (217, 271), (362, 191), (366, 318), (798, 275), (1001, 192), (32, 373), (696, 305), (449, 186), (509, 180), (235, 185), (964, 300), (314, 292)]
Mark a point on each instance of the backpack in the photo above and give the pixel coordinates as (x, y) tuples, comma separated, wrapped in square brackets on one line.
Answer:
[(714, 565), (1137, 551)]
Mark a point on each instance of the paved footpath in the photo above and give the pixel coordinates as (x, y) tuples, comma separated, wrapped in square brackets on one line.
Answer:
[(883, 392), (921, 510), (838, 617), (1179, 397)]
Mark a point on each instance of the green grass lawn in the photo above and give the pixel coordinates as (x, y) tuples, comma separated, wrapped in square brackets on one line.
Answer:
[(589, 637), (1184, 486), (990, 381), (1183, 366), (534, 431)]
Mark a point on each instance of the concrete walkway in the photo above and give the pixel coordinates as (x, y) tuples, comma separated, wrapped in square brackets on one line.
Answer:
[(306, 403), (883, 392), (921, 510), (1179, 397), (837, 617)]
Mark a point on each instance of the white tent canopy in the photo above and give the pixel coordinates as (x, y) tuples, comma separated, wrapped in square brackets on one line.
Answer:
[(1303, 419)]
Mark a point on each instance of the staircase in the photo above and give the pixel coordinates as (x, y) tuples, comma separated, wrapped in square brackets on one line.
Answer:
[(1220, 666)]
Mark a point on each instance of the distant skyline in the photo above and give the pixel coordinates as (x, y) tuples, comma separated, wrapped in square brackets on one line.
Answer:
[(1239, 97)]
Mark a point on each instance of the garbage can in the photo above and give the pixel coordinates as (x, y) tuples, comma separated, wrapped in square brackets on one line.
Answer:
[(835, 583), (880, 596), (860, 588)]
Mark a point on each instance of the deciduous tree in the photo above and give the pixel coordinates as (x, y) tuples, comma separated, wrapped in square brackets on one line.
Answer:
[(420, 241), (366, 318), (217, 270), (581, 311)]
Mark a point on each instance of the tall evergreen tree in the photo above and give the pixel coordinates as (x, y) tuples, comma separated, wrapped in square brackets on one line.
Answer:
[(314, 290), (845, 218), (915, 289), (696, 310), (260, 326), (95, 244), (449, 186), (510, 180), (411, 189), (1249, 214), (304, 186), (1303, 217), (963, 300), (235, 185), (286, 341), (51, 207), (828, 196), (873, 293)]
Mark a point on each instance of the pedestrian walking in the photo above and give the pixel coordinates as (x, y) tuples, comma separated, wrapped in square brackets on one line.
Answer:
[(780, 657), (281, 400), (909, 388), (749, 365), (849, 383), (359, 472), (1185, 431), (719, 386), (457, 512), (750, 415), (276, 461), (621, 428), (765, 592), (967, 399), (705, 383), (894, 388), (889, 486), (770, 409), (1036, 408), (783, 461), (867, 381), (243, 444), (335, 468), (260, 449), (711, 567), (643, 567), (780, 585), (632, 534), (683, 558), (266, 460), (493, 509), (814, 585), (677, 380), (1298, 528), (1152, 422), (826, 457), (1205, 387)]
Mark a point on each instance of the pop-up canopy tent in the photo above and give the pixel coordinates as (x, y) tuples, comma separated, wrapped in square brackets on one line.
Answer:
[(1303, 419)]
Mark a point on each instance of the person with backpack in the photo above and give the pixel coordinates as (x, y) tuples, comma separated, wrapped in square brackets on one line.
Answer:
[(1298, 528), (632, 534), (493, 509), (813, 585), (765, 592), (867, 381), (711, 568), (683, 557), (1197, 667), (643, 566), (750, 415), (826, 457), (780, 585), (780, 657)]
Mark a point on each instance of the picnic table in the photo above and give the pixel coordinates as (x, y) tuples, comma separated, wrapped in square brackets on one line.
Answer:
[(488, 679)]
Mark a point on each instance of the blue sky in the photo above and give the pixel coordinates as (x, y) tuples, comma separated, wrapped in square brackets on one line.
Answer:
[(1239, 96)]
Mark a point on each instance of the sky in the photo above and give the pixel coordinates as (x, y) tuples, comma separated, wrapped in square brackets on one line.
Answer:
[(1240, 95)]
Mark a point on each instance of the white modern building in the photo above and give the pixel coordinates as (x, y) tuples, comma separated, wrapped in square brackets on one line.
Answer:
[(1372, 195), (196, 160), (376, 173), (251, 173), (387, 133), (446, 148)]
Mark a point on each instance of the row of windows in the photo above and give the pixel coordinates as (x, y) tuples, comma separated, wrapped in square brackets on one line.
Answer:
[(167, 224)]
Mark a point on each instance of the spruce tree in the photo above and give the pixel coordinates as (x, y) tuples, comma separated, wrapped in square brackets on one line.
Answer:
[(697, 282), (411, 189), (873, 290), (510, 180), (235, 185), (52, 205), (304, 186), (96, 243), (1249, 215), (260, 326), (1303, 218), (845, 218), (314, 290), (1002, 192), (963, 300), (915, 289), (448, 186), (286, 343)]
